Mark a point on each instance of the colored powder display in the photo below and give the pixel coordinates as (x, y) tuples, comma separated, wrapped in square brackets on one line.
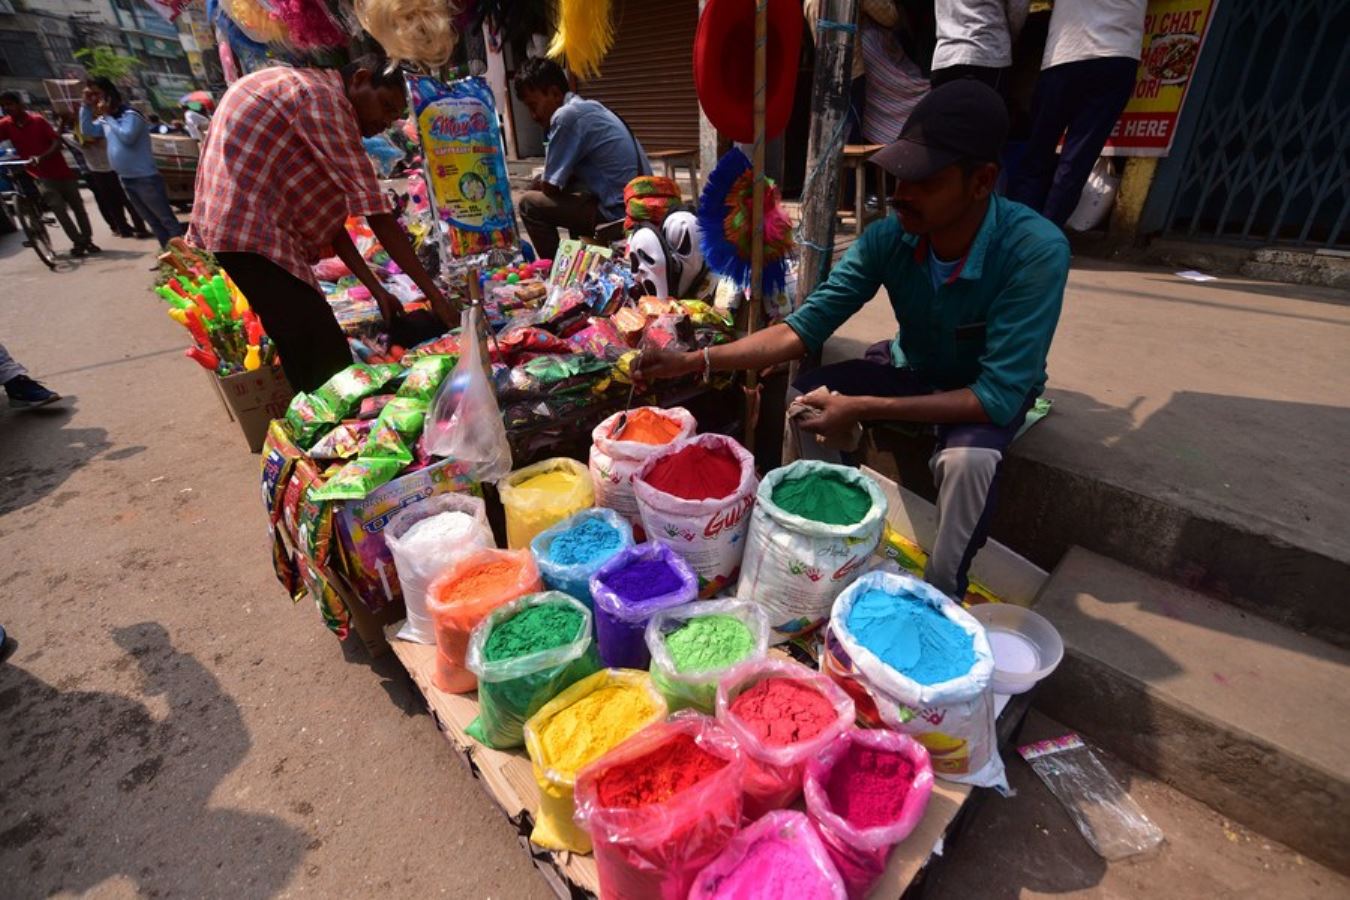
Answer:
[(911, 637), (697, 472), (533, 630), (772, 867), (647, 426), (823, 496), (643, 579), (709, 642), (591, 541), (782, 711), (655, 777), (491, 578), (594, 724), (867, 787), (558, 481)]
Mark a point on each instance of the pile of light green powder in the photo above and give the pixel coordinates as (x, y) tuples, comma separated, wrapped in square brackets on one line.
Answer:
[(709, 642)]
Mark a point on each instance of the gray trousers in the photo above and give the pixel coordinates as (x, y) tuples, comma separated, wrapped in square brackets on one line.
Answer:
[(9, 367)]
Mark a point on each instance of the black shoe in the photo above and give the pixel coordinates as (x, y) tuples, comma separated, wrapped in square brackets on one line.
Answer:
[(91, 247), (142, 234), (123, 232), (25, 393), (78, 250)]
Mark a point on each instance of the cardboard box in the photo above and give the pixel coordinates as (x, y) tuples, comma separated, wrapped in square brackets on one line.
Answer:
[(253, 399)]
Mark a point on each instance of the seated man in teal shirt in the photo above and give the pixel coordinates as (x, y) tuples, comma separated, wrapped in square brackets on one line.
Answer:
[(976, 282)]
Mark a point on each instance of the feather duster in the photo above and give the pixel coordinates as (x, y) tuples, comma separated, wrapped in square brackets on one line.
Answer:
[(724, 219)]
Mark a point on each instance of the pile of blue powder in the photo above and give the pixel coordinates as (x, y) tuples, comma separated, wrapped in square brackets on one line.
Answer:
[(593, 540), (911, 636)]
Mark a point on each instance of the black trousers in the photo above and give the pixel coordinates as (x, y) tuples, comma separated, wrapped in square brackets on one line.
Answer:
[(295, 316), (113, 204)]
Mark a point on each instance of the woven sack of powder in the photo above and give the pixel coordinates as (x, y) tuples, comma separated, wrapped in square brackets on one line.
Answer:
[(613, 463)]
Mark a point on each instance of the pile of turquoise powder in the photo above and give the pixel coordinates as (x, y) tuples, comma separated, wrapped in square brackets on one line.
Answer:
[(911, 636), (591, 541)]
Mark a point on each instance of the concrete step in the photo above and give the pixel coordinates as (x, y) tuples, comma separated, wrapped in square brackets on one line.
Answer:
[(1248, 717)]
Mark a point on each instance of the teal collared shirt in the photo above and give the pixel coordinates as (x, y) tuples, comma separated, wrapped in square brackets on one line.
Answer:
[(988, 327)]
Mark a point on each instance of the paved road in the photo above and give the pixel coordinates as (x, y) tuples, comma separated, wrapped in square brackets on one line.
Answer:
[(173, 725)]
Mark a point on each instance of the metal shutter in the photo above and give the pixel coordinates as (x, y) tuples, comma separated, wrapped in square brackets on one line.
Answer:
[(648, 76)]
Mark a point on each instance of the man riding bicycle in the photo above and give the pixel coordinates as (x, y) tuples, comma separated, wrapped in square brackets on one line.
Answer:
[(35, 139)]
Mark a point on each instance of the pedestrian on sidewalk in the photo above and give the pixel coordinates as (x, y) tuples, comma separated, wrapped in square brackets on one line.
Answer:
[(591, 156), (112, 201), (1088, 71), (282, 169), (34, 137), (129, 153), (976, 283), (23, 392), (975, 40)]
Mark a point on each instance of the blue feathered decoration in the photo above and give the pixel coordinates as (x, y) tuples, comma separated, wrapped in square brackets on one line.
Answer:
[(724, 222)]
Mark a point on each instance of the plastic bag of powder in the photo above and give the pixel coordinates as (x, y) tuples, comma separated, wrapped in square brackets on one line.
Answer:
[(773, 773), (575, 579), (614, 463), (426, 539), (699, 689), (530, 509), (620, 623), (786, 827)]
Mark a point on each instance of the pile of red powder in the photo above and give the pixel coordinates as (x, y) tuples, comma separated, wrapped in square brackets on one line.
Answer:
[(697, 472), (781, 711), (658, 775), (867, 787)]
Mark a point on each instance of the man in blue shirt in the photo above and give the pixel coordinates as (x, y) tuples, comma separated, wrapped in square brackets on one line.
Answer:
[(976, 282), (590, 157)]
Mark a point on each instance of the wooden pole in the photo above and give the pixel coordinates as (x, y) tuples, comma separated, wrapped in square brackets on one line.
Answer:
[(757, 213)]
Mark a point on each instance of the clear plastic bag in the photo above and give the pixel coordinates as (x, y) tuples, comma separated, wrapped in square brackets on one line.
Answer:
[(456, 608), (621, 624), (860, 853), (780, 855), (532, 508), (773, 772), (464, 420), (657, 850), (512, 690), (420, 560), (614, 463), (699, 689), (1106, 815), (576, 579)]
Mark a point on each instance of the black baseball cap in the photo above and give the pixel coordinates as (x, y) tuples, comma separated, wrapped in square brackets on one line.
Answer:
[(962, 120)]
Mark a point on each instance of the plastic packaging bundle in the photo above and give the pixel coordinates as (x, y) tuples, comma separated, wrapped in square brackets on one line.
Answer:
[(779, 855), (576, 728), (426, 539), (628, 590), (954, 719), (541, 495), (584, 555), (512, 689), (775, 757), (730, 634), (710, 533), (794, 566), (460, 598), (614, 462), (657, 848), (464, 421), (859, 851)]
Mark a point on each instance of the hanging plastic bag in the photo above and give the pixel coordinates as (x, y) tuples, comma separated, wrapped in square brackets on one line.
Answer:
[(693, 646), (859, 847), (954, 719), (631, 588), (573, 550), (794, 566), (614, 462), (788, 715), (513, 687), (541, 495), (661, 806), (780, 855), (464, 421), (426, 539)]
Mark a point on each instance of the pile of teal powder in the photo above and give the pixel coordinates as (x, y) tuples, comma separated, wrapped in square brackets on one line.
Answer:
[(591, 541), (911, 636)]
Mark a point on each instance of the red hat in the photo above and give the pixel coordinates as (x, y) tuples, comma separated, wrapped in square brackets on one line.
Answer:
[(724, 65)]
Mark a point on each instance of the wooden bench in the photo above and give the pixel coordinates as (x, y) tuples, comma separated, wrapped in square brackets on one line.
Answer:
[(674, 160), (855, 157)]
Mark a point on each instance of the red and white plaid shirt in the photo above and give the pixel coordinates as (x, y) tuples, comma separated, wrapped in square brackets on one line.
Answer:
[(282, 168)]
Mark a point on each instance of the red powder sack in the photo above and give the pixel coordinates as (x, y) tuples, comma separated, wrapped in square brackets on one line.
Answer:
[(696, 472), (655, 777), (867, 787), (782, 711)]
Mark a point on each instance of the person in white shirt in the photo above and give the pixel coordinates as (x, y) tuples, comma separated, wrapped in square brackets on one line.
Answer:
[(975, 40), (1087, 75), (195, 123)]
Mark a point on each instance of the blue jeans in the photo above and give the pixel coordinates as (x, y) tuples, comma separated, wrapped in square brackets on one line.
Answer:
[(150, 198)]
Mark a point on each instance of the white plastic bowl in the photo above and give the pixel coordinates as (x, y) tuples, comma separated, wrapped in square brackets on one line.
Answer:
[(1026, 646)]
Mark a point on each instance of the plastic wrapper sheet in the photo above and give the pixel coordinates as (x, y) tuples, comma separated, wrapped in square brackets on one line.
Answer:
[(464, 420)]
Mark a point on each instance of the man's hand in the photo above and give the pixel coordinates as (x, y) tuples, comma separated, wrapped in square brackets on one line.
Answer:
[(654, 365), (101, 106), (390, 308), (830, 415)]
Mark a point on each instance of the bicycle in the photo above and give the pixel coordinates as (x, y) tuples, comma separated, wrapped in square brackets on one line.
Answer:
[(24, 203)]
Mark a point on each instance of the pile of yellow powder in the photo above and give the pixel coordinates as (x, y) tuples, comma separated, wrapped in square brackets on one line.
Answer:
[(594, 724)]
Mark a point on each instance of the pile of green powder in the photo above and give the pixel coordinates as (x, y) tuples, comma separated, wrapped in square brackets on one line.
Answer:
[(823, 496), (533, 630), (709, 642)]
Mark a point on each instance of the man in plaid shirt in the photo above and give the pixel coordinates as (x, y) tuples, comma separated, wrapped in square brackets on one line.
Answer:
[(281, 170)]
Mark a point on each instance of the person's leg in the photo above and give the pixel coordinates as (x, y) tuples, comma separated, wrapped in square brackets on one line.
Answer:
[(23, 392), (1108, 84), (71, 190), (1051, 110), (137, 204), (543, 215), (108, 206), (149, 196), (138, 227), (9, 366), (55, 198), (295, 316)]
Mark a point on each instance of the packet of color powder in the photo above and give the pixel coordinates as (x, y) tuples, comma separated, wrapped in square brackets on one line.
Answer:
[(356, 479), (425, 376), (343, 442), (347, 388), (1108, 818)]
